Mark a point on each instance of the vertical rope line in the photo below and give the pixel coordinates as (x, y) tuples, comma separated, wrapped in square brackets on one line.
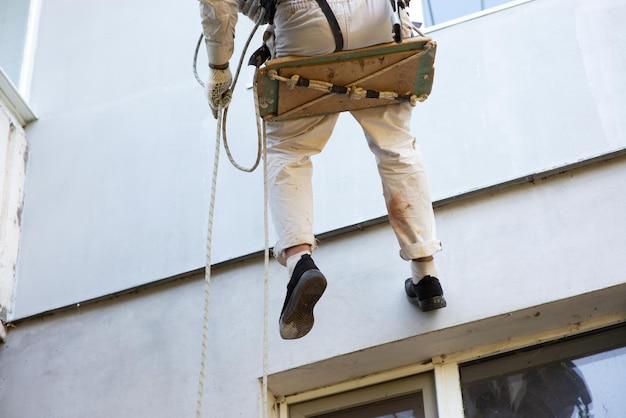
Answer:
[(261, 130), (207, 268), (266, 282), (221, 119), (232, 88)]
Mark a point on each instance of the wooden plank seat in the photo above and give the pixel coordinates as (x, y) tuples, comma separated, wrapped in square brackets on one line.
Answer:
[(295, 87)]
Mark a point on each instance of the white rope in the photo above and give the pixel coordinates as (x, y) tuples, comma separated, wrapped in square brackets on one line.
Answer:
[(261, 150), (229, 94), (207, 269), (354, 92), (266, 276), (261, 129), (232, 88)]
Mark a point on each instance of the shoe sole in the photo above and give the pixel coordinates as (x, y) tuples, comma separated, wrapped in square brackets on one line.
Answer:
[(297, 319), (431, 304)]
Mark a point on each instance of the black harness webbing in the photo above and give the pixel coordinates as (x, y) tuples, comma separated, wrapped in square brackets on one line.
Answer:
[(334, 25)]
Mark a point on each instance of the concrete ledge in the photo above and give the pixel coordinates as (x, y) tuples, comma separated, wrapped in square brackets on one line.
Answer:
[(466, 342)]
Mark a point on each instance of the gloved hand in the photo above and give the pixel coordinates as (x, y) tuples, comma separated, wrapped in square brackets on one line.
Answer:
[(216, 88)]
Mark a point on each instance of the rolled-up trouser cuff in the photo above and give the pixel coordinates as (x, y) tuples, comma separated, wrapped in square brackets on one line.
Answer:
[(291, 241), (420, 250)]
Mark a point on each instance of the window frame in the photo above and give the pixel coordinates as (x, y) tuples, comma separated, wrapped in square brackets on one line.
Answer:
[(574, 347), (570, 348), (11, 98), (423, 383)]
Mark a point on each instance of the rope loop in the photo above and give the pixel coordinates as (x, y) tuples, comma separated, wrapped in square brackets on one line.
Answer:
[(293, 81), (353, 92)]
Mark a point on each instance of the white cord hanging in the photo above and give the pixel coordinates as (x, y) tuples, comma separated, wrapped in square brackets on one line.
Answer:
[(261, 129), (261, 151), (207, 270), (230, 92)]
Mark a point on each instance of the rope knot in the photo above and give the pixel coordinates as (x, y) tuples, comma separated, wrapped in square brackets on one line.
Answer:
[(357, 93), (293, 81)]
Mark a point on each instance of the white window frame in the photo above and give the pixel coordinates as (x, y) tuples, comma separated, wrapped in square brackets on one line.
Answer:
[(13, 101), (423, 383), (445, 369)]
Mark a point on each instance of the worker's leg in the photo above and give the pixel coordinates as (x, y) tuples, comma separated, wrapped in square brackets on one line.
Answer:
[(405, 184), (407, 196), (290, 146)]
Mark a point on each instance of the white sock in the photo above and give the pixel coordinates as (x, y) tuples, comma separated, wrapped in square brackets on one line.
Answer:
[(293, 260), (420, 269)]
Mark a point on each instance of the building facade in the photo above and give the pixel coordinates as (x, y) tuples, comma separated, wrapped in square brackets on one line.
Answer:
[(106, 202)]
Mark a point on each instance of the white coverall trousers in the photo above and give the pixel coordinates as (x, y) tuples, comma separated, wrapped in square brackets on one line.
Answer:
[(301, 29)]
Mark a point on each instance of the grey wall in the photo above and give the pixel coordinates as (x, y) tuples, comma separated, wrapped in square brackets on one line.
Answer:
[(118, 181), (525, 89), (508, 256)]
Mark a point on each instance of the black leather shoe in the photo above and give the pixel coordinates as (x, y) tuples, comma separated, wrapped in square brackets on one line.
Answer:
[(305, 288), (427, 293)]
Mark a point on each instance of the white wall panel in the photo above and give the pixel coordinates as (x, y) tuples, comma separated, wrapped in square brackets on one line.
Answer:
[(117, 188), (518, 263)]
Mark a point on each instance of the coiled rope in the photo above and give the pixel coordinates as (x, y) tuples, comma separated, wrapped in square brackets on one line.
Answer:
[(227, 97), (261, 152)]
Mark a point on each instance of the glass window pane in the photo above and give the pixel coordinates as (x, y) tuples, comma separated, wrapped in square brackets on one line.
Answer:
[(13, 25), (409, 406), (584, 385), (409, 397), (440, 11), (605, 376)]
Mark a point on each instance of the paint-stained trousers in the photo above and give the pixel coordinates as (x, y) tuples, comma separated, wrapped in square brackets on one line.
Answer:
[(302, 29)]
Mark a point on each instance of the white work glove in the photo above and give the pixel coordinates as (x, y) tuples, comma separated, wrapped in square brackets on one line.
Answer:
[(217, 88)]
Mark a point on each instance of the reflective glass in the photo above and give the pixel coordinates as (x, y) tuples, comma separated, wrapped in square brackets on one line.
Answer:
[(579, 386), (440, 11), (13, 24), (409, 406)]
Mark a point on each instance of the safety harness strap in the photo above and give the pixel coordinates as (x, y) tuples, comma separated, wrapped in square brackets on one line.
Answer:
[(334, 25)]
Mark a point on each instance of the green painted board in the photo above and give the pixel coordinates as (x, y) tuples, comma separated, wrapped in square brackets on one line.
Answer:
[(403, 68)]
